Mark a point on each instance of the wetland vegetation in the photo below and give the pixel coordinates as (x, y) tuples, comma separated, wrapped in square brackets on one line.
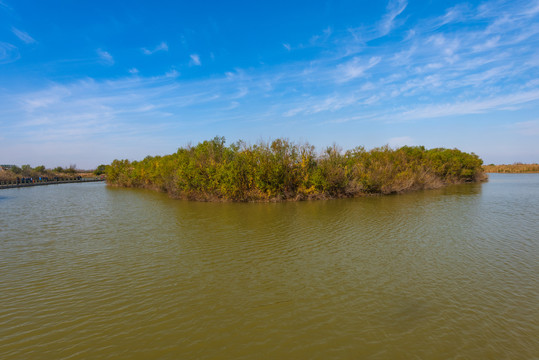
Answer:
[(516, 168), (283, 170)]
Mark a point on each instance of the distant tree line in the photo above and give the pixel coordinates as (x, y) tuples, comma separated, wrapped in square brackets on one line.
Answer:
[(515, 168), (281, 170), (27, 171)]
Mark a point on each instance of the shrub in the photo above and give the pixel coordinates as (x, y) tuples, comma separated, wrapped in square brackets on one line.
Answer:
[(283, 170)]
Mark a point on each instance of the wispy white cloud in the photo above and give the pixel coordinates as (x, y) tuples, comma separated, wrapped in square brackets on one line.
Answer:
[(440, 79), (321, 38), (454, 14), (447, 47), (482, 78), (287, 46), (242, 92), (478, 106), (459, 13), (195, 60), (332, 103), (394, 9), (293, 112), (8, 53), (355, 68), (532, 10), (133, 71), (87, 108), (172, 73), (23, 36), (488, 44), (163, 46), (46, 98), (105, 57)]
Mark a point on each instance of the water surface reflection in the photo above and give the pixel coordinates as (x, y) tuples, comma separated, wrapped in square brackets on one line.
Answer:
[(93, 272)]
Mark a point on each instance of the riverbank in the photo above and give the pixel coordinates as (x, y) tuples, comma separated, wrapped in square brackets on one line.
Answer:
[(284, 171), (512, 169)]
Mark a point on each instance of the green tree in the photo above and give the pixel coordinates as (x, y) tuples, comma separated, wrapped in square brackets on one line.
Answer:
[(100, 170), (16, 170), (40, 169)]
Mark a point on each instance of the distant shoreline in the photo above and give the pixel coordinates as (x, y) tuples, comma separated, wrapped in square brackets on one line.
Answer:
[(511, 169)]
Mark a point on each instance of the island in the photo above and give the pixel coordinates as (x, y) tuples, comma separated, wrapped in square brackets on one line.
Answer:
[(282, 170)]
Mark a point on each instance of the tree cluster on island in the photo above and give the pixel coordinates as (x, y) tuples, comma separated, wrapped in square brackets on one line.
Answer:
[(283, 170)]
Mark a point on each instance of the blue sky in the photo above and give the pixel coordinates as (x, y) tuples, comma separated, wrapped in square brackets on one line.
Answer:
[(85, 82)]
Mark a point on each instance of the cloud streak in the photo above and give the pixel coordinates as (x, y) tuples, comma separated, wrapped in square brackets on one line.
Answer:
[(23, 36), (394, 9), (195, 60), (355, 68), (8, 53), (163, 46), (478, 106), (105, 57)]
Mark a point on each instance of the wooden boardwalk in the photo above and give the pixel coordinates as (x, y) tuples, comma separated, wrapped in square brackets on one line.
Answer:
[(11, 185)]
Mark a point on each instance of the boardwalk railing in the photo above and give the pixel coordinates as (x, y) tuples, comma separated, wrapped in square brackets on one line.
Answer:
[(6, 184)]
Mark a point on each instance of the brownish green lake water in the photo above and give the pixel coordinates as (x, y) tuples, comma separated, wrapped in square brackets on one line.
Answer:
[(90, 272)]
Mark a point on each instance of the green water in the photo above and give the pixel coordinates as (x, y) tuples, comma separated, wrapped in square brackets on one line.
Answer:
[(90, 272)]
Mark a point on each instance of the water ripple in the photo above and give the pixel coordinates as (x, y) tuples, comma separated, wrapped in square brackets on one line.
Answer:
[(116, 273)]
